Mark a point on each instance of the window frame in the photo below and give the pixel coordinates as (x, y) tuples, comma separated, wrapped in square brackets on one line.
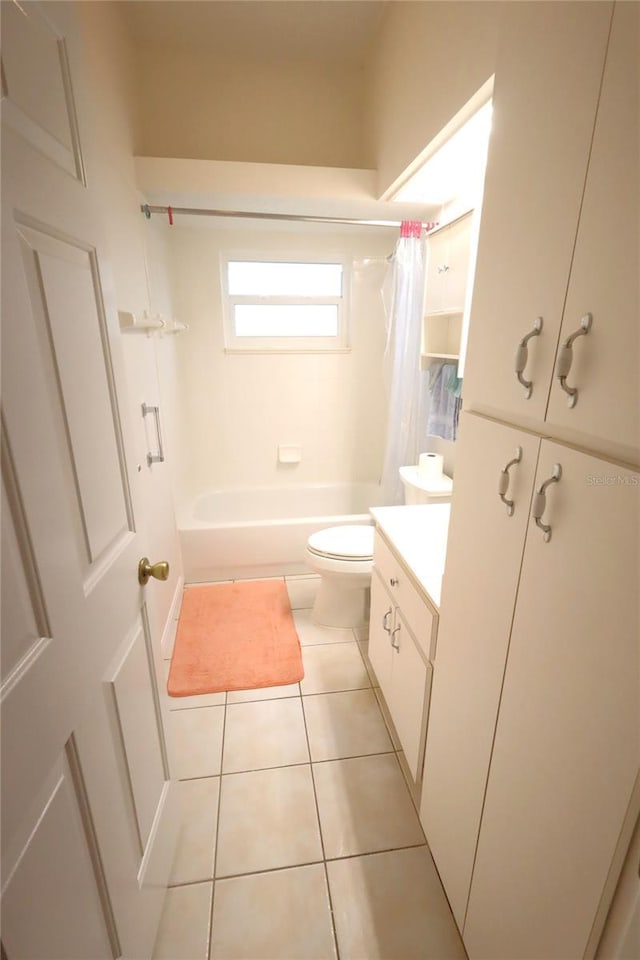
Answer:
[(234, 344)]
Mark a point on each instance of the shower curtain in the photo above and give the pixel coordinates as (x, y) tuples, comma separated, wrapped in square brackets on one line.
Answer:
[(403, 295)]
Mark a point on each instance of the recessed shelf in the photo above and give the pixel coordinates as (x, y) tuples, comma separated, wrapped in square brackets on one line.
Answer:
[(440, 337)]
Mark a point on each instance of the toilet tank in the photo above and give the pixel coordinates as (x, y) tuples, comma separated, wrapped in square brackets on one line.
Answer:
[(418, 489)]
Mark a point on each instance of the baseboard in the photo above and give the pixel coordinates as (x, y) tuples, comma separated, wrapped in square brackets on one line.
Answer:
[(169, 632)]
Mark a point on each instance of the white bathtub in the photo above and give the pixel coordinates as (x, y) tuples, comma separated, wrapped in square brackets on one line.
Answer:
[(262, 532)]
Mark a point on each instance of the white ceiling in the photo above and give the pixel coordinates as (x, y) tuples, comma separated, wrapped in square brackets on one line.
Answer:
[(319, 30)]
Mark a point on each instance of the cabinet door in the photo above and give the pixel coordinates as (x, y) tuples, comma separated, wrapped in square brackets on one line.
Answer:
[(548, 77), (456, 277), (380, 626), (447, 268), (478, 597), (567, 742), (436, 273), (604, 275), (409, 699)]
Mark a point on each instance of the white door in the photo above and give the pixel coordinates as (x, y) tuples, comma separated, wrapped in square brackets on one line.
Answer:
[(380, 626), (409, 695), (545, 96), (567, 744), (484, 553), (87, 803), (604, 272)]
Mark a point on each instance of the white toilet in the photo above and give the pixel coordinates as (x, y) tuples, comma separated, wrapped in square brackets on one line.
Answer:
[(343, 556)]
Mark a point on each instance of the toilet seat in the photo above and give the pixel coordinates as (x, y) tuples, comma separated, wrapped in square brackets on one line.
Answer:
[(347, 543)]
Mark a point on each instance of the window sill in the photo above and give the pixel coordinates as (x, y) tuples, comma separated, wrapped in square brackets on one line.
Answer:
[(239, 351)]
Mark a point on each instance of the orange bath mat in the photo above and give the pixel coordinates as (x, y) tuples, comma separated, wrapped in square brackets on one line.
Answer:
[(235, 636)]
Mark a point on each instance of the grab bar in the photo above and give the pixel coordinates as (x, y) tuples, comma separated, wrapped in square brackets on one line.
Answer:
[(159, 456)]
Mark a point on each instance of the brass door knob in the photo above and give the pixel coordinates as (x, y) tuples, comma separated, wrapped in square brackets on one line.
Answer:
[(159, 570)]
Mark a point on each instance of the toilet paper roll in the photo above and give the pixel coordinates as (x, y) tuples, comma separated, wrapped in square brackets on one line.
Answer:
[(430, 465)]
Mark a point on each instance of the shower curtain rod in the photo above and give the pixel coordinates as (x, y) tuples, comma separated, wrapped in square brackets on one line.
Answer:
[(148, 209), (430, 227)]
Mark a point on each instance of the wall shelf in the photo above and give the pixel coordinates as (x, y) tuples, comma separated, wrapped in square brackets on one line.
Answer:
[(149, 323)]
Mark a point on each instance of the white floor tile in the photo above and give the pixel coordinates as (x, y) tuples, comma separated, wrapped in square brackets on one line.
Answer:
[(302, 591), (184, 925), (264, 693), (364, 806), (312, 633), (387, 905), (267, 820), (196, 739), (196, 844), (266, 733), (346, 724), (391, 905), (332, 667), (283, 915), (186, 703)]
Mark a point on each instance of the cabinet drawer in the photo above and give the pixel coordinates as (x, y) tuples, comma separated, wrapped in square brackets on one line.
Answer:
[(417, 614)]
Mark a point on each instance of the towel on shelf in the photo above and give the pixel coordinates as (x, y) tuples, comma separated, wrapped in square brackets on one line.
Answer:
[(445, 390)]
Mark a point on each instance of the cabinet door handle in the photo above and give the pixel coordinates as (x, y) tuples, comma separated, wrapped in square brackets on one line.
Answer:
[(396, 646), (385, 622), (503, 481), (444, 268), (522, 356), (540, 502), (565, 359), (393, 581)]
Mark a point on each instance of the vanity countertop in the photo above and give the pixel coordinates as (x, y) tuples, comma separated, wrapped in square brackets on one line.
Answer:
[(419, 535)]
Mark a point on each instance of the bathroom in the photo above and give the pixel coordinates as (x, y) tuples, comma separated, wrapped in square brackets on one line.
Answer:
[(326, 111)]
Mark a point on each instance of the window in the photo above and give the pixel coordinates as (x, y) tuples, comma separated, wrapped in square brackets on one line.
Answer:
[(284, 305)]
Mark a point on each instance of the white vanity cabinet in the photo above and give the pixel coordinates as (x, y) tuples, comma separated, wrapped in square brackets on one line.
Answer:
[(401, 636)]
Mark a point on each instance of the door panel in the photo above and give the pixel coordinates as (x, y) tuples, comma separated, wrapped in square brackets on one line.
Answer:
[(604, 275), (24, 618), (37, 93), (527, 234), (140, 725), (51, 904), (484, 554), (567, 744), (64, 292)]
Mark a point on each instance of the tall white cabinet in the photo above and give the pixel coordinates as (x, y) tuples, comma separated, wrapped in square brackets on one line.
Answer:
[(533, 747)]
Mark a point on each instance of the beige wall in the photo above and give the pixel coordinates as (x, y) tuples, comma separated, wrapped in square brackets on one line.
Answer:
[(429, 60), (199, 106), (238, 408), (130, 253)]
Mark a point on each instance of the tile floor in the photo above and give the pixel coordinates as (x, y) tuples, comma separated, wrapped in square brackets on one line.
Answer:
[(300, 837)]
